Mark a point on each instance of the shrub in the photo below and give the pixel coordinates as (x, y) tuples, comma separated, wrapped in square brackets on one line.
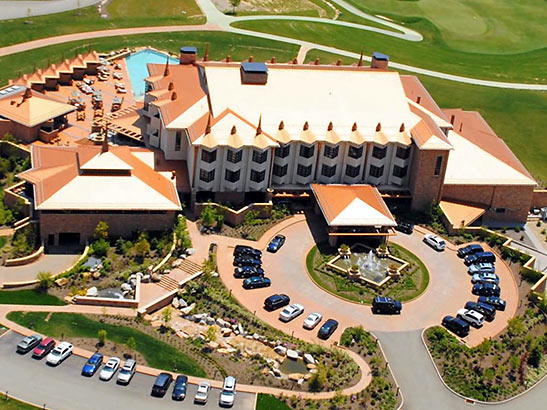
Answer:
[(131, 343), (209, 215), (101, 336), (142, 246), (99, 248), (45, 281), (101, 231)]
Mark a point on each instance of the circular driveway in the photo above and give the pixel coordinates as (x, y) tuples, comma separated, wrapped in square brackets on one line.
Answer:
[(449, 288)]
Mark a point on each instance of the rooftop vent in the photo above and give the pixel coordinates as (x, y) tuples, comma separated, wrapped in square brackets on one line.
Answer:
[(254, 73), (379, 60), (188, 55)]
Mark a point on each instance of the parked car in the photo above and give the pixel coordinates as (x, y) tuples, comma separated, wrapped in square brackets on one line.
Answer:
[(494, 301), (247, 261), (469, 250), (242, 250), (179, 389), (127, 372), (276, 243), (487, 310), (435, 242), (290, 312), (256, 282), (480, 257), (247, 272), (110, 368), (28, 343), (312, 320), (203, 392), (328, 328), (386, 305), (405, 227), (92, 365), (45, 346), (60, 353), (471, 316), (276, 301), (228, 394), (456, 325), (485, 278), (161, 385), (486, 289), (481, 267)]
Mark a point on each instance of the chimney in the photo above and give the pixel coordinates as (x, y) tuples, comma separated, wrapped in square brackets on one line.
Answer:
[(281, 125), (338, 62), (233, 131), (253, 73), (330, 126), (104, 147), (173, 175), (188, 55), (461, 126), (402, 128), (166, 70), (171, 86), (379, 127), (452, 119), (379, 61), (173, 96), (316, 62), (206, 55), (360, 63), (306, 126), (228, 58), (418, 99), (273, 60), (208, 127), (295, 61), (251, 59), (259, 128), (354, 127)]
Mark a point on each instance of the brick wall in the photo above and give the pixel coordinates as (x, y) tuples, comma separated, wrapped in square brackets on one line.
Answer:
[(539, 198), (22, 133), (119, 224), (425, 187), (235, 217)]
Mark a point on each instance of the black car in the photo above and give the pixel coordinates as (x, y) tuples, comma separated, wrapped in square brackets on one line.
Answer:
[(328, 328), (179, 389), (456, 325), (386, 305), (247, 272), (247, 261), (487, 310), (486, 289), (242, 250), (494, 301), (469, 250), (161, 385), (276, 301), (405, 227), (480, 257), (256, 282), (276, 243)]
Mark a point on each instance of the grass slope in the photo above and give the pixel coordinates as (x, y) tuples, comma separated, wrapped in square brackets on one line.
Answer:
[(269, 402), (12, 404), (28, 297), (156, 353)]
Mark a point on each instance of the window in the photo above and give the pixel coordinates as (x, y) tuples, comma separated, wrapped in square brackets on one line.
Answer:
[(403, 152), (306, 151), (355, 152), (208, 156), (376, 172), (178, 138), (232, 176), (379, 153), (352, 171), (500, 210), (148, 87), (280, 171), (260, 157), (234, 156), (257, 176), (331, 151), (328, 171), (206, 176), (283, 151), (303, 171), (399, 172), (438, 166)]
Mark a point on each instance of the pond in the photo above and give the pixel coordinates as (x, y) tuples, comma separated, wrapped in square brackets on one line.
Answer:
[(293, 366), (111, 293)]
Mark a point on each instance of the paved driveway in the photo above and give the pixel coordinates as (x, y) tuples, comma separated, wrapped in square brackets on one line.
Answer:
[(63, 388), (53, 263)]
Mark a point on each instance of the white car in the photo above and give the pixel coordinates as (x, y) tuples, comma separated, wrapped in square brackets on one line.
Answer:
[(435, 242), (290, 312), (471, 316), (60, 353), (203, 392), (127, 371), (312, 320), (109, 368), (228, 394)]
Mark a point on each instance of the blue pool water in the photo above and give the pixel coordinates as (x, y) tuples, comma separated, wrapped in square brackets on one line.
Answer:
[(138, 71)]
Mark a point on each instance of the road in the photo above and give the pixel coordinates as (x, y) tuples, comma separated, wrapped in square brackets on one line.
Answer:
[(24, 9), (63, 388)]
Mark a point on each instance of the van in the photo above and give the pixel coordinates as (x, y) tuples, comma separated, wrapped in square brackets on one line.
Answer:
[(161, 385), (480, 257)]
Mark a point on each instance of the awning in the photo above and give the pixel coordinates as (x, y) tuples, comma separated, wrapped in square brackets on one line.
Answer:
[(461, 215)]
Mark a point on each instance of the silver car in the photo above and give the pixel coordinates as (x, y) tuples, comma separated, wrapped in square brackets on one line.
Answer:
[(110, 368), (203, 392), (312, 320), (482, 267), (290, 312), (127, 371)]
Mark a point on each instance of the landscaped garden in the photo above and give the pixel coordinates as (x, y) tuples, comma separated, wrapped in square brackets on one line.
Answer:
[(411, 283)]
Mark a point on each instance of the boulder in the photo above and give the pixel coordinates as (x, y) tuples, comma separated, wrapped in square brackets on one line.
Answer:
[(240, 328), (190, 251), (126, 287), (225, 332), (221, 322), (280, 350), (166, 271), (175, 303), (156, 277), (145, 278), (276, 372), (265, 371), (182, 335), (210, 321), (177, 263), (188, 309), (300, 381), (214, 274), (307, 376), (202, 322), (223, 351), (296, 376), (213, 345), (311, 366), (96, 274), (312, 371), (308, 358), (292, 354), (133, 277), (133, 283), (92, 292), (86, 275), (182, 303), (256, 336), (61, 282)]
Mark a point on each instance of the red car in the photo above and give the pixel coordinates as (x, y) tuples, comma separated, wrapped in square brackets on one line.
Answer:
[(44, 348)]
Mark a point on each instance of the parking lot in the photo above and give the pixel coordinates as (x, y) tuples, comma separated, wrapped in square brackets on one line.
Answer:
[(63, 388)]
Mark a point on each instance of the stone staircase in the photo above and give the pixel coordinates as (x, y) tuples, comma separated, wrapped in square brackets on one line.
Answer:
[(189, 267), (168, 283)]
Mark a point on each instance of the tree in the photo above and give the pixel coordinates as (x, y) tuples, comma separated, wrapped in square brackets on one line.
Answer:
[(211, 334), (318, 380), (142, 246), (101, 336), (100, 247), (131, 343), (45, 281), (235, 4), (208, 215), (167, 315), (101, 231)]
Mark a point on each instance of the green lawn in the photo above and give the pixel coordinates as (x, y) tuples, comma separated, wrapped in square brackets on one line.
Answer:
[(431, 53), (28, 297), (12, 404), (156, 353), (269, 402)]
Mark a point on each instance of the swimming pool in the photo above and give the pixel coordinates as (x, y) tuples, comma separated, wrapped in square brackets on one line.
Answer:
[(138, 71)]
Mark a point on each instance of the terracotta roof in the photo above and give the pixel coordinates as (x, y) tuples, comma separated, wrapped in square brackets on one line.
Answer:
[(62, 181), (426, 133), (414, 88), (459, 214), (352, 205)]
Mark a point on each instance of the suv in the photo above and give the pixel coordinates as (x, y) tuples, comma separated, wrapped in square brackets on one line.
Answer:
[(435, 242), (247, 272), (485, 278), (472, 316), (405, 227), (486, 289), (242, 250), (46, 346), (328, 328), (494, 301), (488, 311), (469, 250), (127, 372), (481, 267), (179, 390), (480, 257), (161, 385), (276, 301), (456, 325), (247, 261), (227, 396), (386, 305)]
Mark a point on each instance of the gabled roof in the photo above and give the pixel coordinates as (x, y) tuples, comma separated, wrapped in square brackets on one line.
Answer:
[(352, 205), (461, 215), (426, 133)]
